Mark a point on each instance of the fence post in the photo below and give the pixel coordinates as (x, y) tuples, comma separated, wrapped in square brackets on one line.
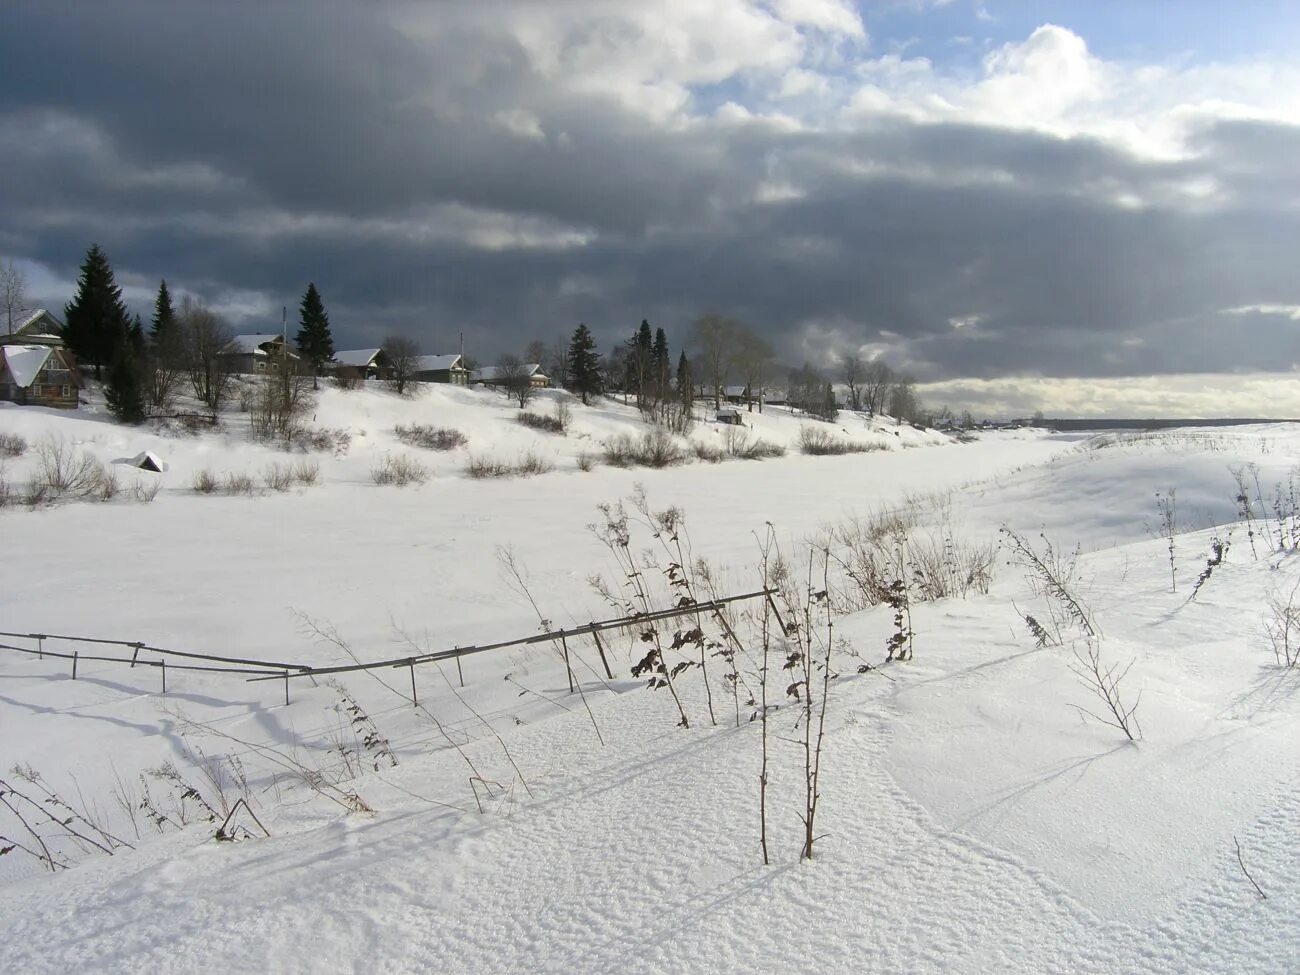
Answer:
[(411, 663), (459, 673), (40, 648), (135, 653), (601, 648), (164, 674), (567, 669), (74, 664), (286, 688)]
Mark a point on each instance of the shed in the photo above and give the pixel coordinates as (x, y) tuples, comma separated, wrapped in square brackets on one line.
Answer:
[(734, 417), (146, 460)]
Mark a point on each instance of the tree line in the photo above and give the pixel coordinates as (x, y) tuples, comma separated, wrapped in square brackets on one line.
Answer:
[(143, 371)]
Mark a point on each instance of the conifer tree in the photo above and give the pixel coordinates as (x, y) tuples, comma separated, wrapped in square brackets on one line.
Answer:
[(684, 388), (163, 326), (662, 362), (124, 390), (96, 320), (584, 364), (315, 343)]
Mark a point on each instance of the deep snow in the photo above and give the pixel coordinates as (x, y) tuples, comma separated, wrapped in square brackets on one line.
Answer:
[(973, 818)]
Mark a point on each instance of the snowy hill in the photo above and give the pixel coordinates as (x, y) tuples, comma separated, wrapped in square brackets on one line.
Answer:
[(974, 814)]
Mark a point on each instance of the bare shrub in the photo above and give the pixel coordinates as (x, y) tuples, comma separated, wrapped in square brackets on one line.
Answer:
[(205, 341), (526, 464), (403, 358), (204, 481), (1282, 626), (709, 453), (280, 403), (530, 462), (741, 446), (12, 445), (430, 437), (109, 485), (536, 421), (324, 440), (65, 471), (399, 471), (277, 477), (654, 448), (818, 443), (563, 414), (1218, 555), (239, 484), (305, 472), (145, 493), (586, 461)]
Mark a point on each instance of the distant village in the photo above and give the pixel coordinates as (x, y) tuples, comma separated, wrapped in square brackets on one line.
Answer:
[(44, 359)]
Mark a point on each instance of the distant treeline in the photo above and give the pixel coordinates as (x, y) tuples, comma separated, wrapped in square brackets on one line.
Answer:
[(1096, 424)]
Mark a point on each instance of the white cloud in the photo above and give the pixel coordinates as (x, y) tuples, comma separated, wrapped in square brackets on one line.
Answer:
[(1288, 311), (1256, 395)]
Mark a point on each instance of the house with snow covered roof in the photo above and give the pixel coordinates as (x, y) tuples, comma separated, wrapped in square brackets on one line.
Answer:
[(38, 375), (493, 376), (441, 369), (256, 353), (360, 363), (38, 328)]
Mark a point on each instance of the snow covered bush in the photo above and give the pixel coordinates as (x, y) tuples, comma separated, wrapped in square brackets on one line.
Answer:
[(526, 464), (429, 437), (537, 421), (819, 443), (399, 471), (1282, 626), (654, 448), (63, 471), (741, 446), (12, 445)]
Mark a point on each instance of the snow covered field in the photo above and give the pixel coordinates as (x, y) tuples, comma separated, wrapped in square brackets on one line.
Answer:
[(973, 817)]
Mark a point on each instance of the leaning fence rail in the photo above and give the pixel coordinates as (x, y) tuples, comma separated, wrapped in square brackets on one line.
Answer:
[(254, 671)]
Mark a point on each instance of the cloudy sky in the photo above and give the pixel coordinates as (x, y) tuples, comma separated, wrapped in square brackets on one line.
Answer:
[(1088, 207)]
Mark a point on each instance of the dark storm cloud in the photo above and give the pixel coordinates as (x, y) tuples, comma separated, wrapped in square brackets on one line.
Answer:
[(430, 184)]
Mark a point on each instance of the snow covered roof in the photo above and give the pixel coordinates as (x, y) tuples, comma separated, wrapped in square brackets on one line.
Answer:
[(356, 357), (490, 374), (25, 361), (430, 363), (40, 322), (146, 460), (251, 344)]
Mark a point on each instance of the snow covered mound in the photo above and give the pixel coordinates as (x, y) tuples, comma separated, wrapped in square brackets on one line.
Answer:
[(981, 806)]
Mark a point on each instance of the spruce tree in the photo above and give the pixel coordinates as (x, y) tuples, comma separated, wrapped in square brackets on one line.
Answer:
[(124, 391), (584, 364), (163, 326), (315, 343), (96, 320), (661, 361), (684, 390)]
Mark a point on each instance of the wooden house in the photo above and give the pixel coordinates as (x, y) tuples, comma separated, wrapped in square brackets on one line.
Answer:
[(492, 376), (38, 328), (38, 375), (441, 369), (360, 364), (257, 353)]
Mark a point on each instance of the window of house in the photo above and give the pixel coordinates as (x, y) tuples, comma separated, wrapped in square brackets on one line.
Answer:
[(36, 389), (66, 392)]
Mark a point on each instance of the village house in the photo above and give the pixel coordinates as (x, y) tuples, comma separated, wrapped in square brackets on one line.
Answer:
[(360, 364), (253, 354), (35, 368), (38, 375), (493, 376), (441, 369), (39, 328)]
